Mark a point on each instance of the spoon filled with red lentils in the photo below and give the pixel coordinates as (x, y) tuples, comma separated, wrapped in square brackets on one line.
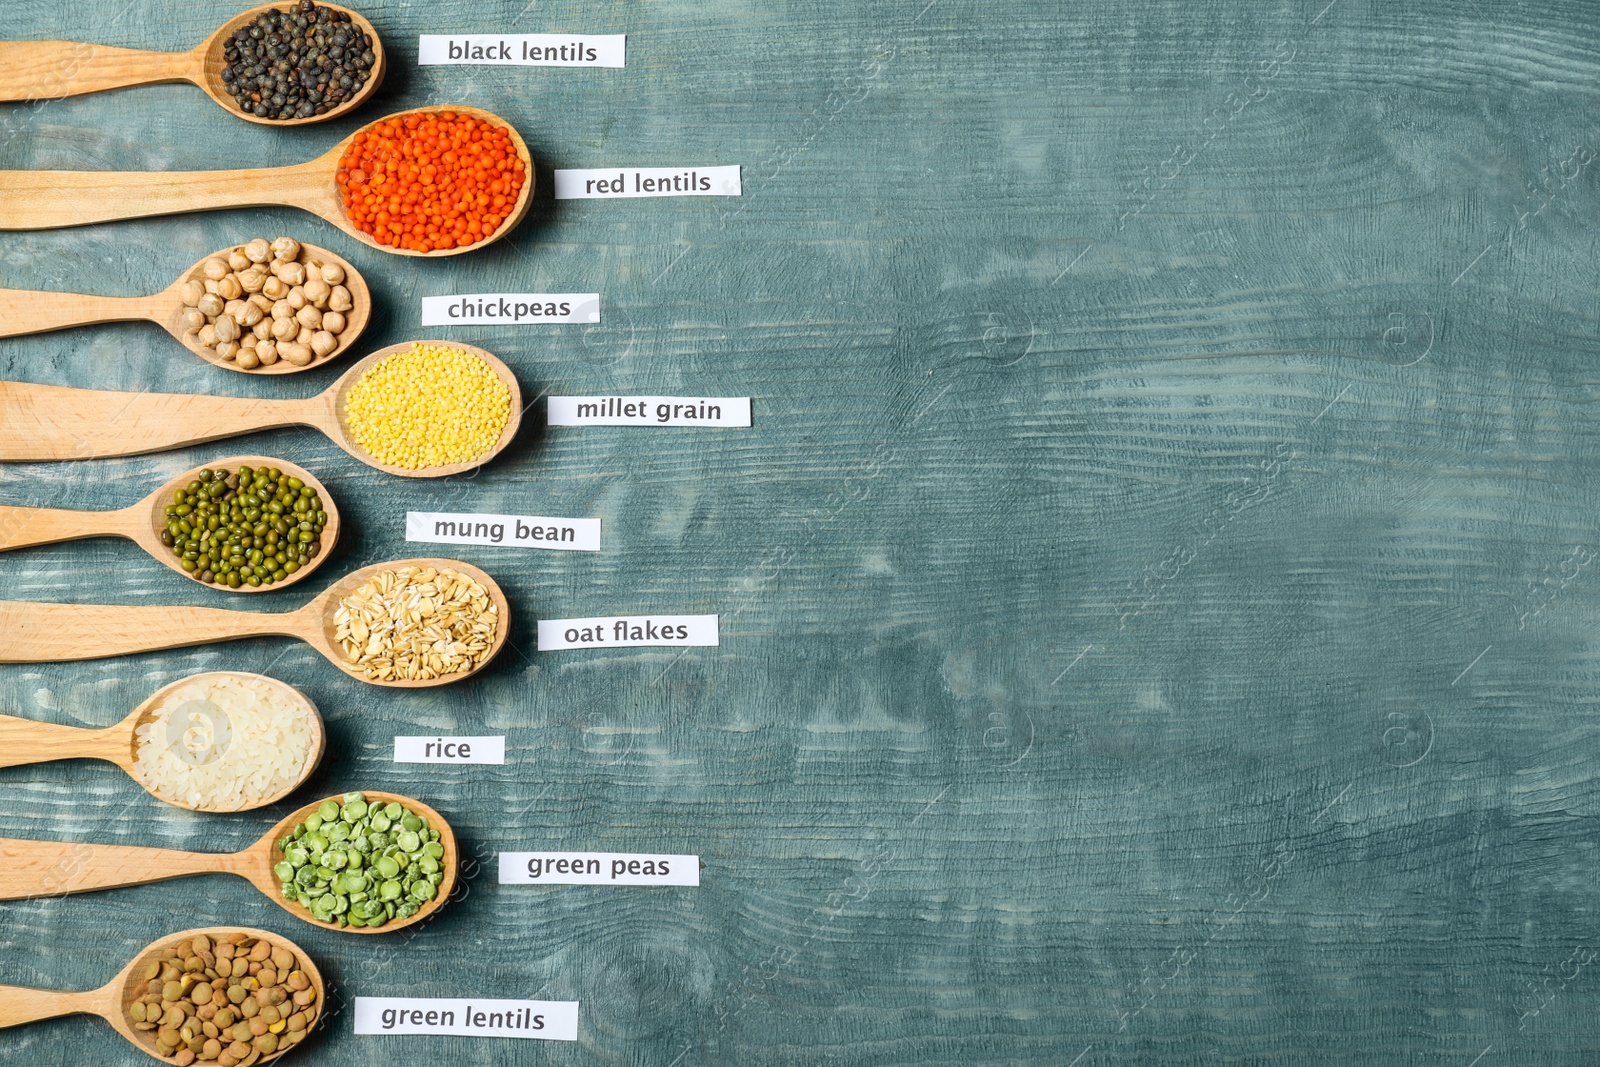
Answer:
[(430, 182)]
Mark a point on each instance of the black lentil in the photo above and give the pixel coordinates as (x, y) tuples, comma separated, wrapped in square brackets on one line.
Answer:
[(297, 63), (251, 527)]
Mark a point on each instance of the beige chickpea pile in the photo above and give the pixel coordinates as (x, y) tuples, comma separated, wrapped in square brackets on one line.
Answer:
[(264, 302), (416, 623)]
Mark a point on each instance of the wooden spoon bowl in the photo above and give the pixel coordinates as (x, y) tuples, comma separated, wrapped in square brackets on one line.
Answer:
[(23, 741), (24, 311), (112, 1000), (448, 864), (41, 70), (51, 422), (212, 64), (47, 199), (44, 632), (145, 522)]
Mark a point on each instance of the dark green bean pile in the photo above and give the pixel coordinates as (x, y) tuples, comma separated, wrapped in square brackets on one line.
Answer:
[(252, 527)]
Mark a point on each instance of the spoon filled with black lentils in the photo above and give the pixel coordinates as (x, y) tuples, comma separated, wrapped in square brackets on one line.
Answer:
[(300, 62)]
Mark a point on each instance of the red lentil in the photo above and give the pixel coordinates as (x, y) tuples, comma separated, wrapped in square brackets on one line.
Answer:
[(431, 180)]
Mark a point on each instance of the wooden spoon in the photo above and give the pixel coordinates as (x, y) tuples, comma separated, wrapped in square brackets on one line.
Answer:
[(42, 70), (24, 311), (50, 422), (47, 199), (19, 1005), (57, 868), (23, 741), (144, 523), (43, 632)]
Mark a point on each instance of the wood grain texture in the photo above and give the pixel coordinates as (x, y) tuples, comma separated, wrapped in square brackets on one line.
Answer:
[(1158, 622)]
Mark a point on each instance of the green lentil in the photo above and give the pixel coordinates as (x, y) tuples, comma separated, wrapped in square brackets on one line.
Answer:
[(252, 527), (343, 866)]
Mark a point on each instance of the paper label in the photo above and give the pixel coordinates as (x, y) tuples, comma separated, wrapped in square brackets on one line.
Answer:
[(649, 411), (450, 750), (628, 631), (597, 868), (547, 1020), (508, 531), (522, 49), (625, 182), (510, 309)]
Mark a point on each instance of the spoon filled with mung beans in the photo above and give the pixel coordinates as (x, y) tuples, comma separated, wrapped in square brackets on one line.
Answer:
[(283, 64), (221, 741), (247, 524), (421, 409), (268, 307), (408, 624), (227, 996), (363, 862)]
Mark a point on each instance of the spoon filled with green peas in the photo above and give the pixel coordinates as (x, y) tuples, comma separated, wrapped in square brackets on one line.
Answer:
[(246, 524)]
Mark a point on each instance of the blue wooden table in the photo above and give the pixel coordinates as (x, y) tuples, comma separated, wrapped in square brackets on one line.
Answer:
[(1158, 594)]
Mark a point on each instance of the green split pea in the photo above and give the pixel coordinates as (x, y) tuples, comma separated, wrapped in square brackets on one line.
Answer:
[(252, 527), (355, 864)]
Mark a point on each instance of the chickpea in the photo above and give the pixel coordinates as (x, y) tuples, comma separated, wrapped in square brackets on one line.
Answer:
[(210, 305), (267, 354), (208, 335), (214, 269), (249, 314), (258, 251), (191, 292), (211, 286), (192, 320), (293, 273), (275, 288), (263, 329), (286, 248), (238, 261), (332, 273), (317, 292), (333, 322), (248, 358), (297, 298), (261, 300), (309, 316), (230, 287), (226, 328), (304, 336), (228, 350), (323, 342), (339, 299), (298, 354), (252, 279), (285, 329), (234, 308), (247, 340), (282, 309)]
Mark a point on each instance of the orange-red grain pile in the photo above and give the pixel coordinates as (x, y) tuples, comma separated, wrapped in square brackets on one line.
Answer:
[(431, 180)]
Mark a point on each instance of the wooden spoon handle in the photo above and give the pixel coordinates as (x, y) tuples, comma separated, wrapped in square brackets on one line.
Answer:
[(44, 70), (19, 1004), (46, 199), (49, 422), (31, 869), (24, 311), (23, 741), (41, 633), (21, 527)]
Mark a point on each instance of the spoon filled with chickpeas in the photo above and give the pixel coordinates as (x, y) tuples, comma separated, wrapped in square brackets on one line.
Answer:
[(226, 996), (268, 307)]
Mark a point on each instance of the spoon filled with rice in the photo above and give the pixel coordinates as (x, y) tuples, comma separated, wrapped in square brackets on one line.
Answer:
[(220, 741)]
